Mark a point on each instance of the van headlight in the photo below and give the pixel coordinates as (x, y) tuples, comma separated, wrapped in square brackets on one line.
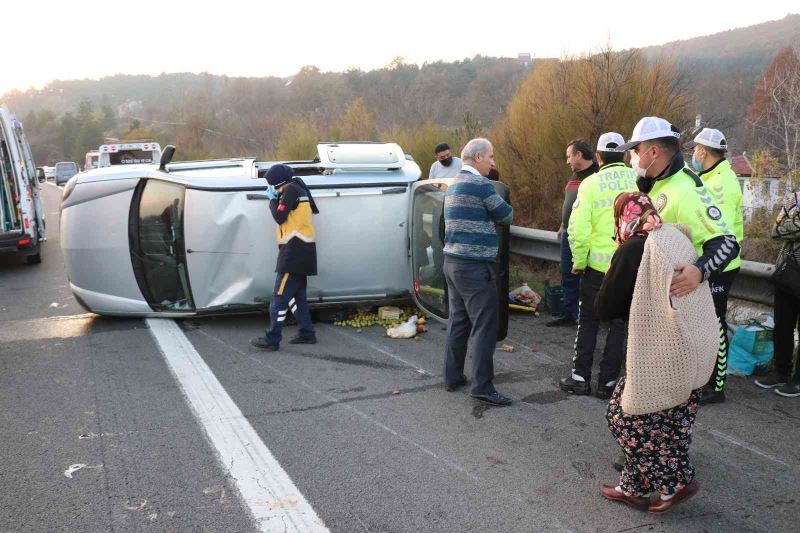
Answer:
[(68, 188)]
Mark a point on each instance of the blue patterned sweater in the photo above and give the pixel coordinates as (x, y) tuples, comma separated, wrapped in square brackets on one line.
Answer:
[(471, 209)]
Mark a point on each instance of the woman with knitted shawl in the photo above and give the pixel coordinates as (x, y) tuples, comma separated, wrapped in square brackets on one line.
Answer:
[(672, 347)]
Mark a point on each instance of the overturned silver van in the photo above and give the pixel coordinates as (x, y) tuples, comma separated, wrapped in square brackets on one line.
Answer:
[(197, 237)]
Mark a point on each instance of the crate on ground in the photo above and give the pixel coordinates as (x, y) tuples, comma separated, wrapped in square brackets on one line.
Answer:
[(389, 313), (554, 298)]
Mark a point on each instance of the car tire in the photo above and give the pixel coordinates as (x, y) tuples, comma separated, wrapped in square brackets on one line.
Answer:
[(34, 259)]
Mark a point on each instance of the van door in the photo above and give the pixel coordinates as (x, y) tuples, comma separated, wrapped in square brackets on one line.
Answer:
[(158, 250), (426, 251), (30, 167)]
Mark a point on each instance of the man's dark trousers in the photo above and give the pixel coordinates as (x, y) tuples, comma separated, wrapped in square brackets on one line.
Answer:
[(569, 281), (472, 296), (289, 295), (787, 318), (721, 283), (588, 326)]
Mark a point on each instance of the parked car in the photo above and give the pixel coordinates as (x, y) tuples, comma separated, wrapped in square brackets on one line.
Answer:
[(64, 171), (50, 173), (198, 238), (22, 221)]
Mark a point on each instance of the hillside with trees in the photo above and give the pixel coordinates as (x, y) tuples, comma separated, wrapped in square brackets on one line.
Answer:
[(744, 81)]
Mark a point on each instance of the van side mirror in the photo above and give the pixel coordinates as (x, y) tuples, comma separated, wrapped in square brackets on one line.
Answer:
[(166, 157)]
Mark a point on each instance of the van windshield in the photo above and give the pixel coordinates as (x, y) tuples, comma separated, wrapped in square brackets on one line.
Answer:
[(66, 167)]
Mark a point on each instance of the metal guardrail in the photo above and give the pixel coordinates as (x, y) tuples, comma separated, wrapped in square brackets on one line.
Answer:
[(752, 283)]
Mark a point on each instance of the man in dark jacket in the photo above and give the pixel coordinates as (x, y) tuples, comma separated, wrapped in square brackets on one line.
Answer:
[(580, 158), (292, 207)]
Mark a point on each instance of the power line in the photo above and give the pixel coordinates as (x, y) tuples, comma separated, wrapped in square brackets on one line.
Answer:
[(214, 132)]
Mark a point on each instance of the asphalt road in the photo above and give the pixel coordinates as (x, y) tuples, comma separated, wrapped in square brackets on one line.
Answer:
[(359, 422)]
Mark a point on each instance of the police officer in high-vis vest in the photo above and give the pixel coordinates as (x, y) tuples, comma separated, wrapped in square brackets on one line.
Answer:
[(591, 240), (292, 207), (681, 197), (718, 177)]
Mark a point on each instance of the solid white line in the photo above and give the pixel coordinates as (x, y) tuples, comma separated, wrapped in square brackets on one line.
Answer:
[(274, 501)]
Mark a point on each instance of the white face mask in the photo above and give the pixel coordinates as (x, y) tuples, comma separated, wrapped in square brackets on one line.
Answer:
[(641, 172)]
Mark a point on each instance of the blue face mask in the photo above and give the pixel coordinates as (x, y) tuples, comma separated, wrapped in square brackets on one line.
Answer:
[(696, 164)]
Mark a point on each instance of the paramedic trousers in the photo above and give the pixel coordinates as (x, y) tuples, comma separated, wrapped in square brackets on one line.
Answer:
[(721, 283), (289, 295), (588, 327), (473, 321), (569, 281), (787, 318)]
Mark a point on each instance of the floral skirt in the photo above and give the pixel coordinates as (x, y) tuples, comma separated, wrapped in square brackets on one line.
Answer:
[(656, 445)]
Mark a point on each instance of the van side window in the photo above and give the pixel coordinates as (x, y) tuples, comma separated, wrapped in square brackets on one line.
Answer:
[(159, 253)]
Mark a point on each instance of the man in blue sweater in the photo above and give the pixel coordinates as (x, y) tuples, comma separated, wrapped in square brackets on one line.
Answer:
[(471, 210)]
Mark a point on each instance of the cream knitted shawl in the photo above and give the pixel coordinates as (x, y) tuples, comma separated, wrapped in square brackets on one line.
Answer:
[(672, 343)]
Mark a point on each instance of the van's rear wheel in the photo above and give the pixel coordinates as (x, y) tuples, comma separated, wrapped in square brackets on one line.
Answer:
[(34, 259)]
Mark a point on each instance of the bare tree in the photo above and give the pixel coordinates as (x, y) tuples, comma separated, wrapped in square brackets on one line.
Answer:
[(775, 111)]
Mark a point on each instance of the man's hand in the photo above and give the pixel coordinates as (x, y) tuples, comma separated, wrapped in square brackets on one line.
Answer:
[(560, 231), (687, 280), (577, 271)]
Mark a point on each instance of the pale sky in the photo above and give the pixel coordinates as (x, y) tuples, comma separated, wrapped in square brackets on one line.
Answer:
[(78, 39)]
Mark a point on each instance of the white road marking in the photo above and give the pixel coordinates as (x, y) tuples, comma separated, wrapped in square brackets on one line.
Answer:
[(745, 445), (274, 501), (368, 343), (555, 524), (347, 406)]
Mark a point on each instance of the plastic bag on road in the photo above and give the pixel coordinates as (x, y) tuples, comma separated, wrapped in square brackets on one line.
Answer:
[(524, 295)]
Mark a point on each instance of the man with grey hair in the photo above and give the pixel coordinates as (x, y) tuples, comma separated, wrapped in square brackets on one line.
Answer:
[(472, 207)]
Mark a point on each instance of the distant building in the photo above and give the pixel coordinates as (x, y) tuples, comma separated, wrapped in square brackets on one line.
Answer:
[(741, 166), (130, 107), (758, 192), (525, 59)]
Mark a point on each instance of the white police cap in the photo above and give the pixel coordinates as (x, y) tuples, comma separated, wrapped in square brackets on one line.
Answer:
[(711, 138), (610, 142), (650, 128)]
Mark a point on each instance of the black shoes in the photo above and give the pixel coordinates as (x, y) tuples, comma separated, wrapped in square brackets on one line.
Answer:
[(789, 390), (709, 396), (264, 344), (493, 398), (573, 386), (604, 391), (458, 384), (563, 321), (771, 381), (304, 340)]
